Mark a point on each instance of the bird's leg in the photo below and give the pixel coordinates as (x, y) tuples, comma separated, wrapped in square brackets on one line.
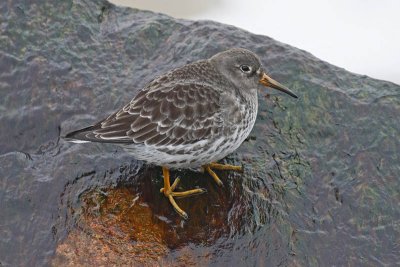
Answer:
[(217, 166), (168, 191)]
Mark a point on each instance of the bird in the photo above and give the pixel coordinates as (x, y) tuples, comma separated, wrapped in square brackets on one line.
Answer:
[(190, 117)]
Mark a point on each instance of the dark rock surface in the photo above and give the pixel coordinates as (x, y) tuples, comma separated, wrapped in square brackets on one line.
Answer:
[(321, 182)]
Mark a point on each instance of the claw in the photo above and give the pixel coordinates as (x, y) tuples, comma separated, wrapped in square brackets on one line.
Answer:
[(169, 192), (215, 176), (218, 166)]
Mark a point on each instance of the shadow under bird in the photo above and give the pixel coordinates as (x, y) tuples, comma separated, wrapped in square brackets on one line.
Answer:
[(189, 117)]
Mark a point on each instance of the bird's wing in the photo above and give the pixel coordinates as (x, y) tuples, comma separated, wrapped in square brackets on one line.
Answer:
[(168, 115)]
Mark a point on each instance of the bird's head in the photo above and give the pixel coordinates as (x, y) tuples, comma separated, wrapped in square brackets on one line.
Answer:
[(245, 70)]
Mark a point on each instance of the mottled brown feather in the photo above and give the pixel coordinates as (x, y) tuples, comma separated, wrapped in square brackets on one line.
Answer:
[(174, 114)]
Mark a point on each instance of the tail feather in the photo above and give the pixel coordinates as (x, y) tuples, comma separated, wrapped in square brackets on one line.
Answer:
[(80, 135), (88, 135)]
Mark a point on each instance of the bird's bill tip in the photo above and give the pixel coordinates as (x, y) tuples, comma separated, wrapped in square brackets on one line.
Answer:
[(269, 82)]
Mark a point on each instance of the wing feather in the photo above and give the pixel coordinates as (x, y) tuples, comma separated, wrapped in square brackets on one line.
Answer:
[(173, 114)]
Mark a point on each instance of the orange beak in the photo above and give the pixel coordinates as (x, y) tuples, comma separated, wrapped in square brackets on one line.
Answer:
[(269, 82)]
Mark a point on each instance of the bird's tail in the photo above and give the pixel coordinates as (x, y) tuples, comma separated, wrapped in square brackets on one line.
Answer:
[(89, 134), (84, 135)]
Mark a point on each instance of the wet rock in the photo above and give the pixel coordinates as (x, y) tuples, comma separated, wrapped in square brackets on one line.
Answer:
[(320, 185)]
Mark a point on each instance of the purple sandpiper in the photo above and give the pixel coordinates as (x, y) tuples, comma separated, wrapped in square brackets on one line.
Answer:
[(189, 117)]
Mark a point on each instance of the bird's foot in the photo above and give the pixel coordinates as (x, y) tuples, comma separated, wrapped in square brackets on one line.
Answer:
[(217, 166), (169, 191)]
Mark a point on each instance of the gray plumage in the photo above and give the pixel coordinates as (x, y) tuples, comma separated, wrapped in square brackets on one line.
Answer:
[(188, 117)]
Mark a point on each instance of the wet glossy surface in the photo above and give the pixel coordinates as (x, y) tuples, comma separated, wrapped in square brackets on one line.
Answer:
[(321, 180)]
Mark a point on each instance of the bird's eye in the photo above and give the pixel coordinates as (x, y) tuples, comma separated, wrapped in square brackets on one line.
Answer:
[(245, 68)]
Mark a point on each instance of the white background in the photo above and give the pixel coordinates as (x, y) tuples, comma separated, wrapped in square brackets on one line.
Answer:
[(362, 36)]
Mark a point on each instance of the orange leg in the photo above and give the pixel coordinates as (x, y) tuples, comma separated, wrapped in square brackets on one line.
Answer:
[(168, 191), (217, 166)]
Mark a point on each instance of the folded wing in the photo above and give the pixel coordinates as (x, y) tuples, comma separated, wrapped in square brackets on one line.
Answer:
[(172, 115)]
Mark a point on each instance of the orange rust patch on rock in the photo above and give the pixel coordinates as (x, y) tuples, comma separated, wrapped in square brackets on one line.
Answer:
[(114, 228)]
